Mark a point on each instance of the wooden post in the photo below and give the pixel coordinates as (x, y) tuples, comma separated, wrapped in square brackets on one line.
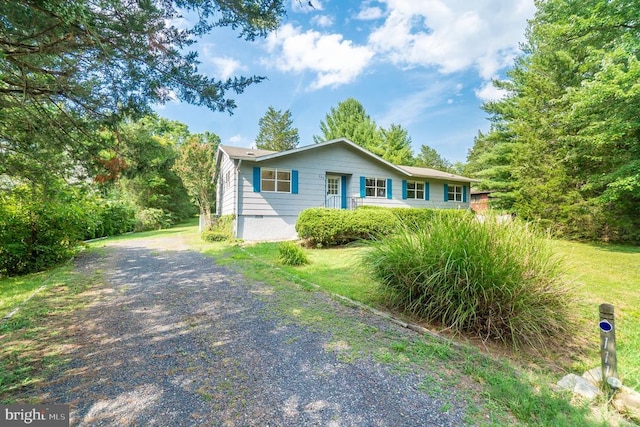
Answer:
[(607, 343)]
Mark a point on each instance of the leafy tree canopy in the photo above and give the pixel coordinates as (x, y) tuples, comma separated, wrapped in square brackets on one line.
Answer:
[(70, 67), (430, 158), (350, 120), (565, 142), (276, 131), (194, 166)]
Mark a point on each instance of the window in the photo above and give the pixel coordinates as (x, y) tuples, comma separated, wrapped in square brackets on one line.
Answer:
[(375, 187), (415, 190), (227, 180), (276, 180), (333, 186), (454, 193)]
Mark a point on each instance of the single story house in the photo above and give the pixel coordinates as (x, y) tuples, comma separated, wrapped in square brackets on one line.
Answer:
[(267, 190)]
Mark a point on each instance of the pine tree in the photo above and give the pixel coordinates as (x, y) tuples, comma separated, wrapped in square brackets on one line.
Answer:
[(276, 131)]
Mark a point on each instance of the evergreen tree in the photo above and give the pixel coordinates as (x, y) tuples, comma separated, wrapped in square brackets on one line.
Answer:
[(430, 158), (276, 131), (568, 130), (350, 120), (396, 145), (70, 68)]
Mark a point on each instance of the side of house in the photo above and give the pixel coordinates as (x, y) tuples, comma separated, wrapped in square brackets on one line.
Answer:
[(268, 190)]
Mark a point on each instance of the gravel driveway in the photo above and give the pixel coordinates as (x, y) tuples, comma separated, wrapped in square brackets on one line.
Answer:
[(172, 339)]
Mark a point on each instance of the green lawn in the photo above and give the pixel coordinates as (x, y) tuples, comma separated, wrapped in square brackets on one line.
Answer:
[(511, 390), (608, 274)]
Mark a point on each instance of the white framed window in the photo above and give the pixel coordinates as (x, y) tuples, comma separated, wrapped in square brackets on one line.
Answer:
[(276, 180), (227, 179), (455, 193), (375, 187), (415, 190)]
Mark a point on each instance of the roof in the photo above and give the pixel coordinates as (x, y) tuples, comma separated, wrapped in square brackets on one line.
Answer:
[(410, 171), (244, 153), (419, 172)]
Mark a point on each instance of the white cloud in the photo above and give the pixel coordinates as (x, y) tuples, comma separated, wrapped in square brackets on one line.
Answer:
[(226, 67), (488, 92), (369, 13), (239, 140), (322, 20), (223, 66), (453, 35), (334, 60)]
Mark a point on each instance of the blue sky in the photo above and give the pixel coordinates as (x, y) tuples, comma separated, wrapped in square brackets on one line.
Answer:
[(424, 64)]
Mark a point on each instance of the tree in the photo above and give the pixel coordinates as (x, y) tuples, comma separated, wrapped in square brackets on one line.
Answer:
[(146, 151), (194, 166), (396, 145), (350, 120), (568, 129), (276, 131), (71, 67), (430, 158)]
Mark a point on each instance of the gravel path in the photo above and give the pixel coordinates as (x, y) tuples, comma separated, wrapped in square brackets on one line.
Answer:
[(173, 339)]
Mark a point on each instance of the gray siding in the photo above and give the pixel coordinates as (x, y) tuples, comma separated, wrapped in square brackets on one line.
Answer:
[(227, 183), (271, 216)]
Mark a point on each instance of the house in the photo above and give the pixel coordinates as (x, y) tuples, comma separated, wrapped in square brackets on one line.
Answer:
[(267, 190), (480, 200)]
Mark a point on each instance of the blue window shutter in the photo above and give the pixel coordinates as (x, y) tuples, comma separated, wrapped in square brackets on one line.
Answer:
[(389, 186), (446, 193), (256, 179), (294, 182), (426, 191), (362, 185), (404, 188), (343, 185), (464, 194)]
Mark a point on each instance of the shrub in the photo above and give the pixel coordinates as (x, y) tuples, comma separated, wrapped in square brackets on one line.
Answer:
[(35, 237), (116, 217), (332, 226), (152, 219), (292, 254), (220, 230), (498, 281)]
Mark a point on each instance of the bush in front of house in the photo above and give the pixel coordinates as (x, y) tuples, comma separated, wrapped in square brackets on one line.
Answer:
[(327, 227), (220, 230), (292, 254), (493, 280)]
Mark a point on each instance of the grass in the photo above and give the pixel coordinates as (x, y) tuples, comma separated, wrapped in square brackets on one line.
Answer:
[(516, 387), (36, 339), (499, 390), (608, 274), (508, 393)]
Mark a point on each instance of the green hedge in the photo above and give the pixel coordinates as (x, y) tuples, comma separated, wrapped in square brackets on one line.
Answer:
[(328, 227)]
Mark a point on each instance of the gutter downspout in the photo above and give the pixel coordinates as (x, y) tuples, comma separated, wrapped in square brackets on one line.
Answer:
[(236, 200)]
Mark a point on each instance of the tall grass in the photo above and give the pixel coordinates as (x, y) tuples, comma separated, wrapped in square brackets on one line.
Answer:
[(494, 280)]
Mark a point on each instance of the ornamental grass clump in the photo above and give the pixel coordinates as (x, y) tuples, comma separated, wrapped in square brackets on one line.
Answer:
[(496, 280), (292, 254)]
